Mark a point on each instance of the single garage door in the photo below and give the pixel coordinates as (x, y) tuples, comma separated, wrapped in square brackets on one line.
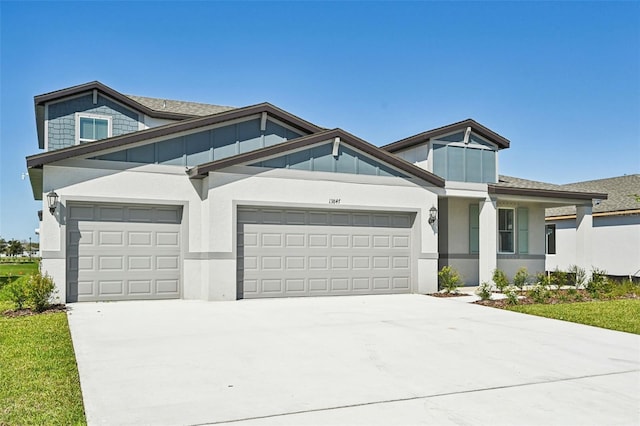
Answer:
[(123, 252), (283, 253)]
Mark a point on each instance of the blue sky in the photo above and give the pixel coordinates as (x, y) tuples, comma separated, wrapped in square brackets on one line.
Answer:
[(561, 80)]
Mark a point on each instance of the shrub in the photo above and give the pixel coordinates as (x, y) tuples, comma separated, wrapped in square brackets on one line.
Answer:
[(16, 293), (449, 279), (484, 291), (500, 280), (598, 285), (543, 279), (512, 295), (39, 289), (520, 278), (559, 279), (33, 290), (540, 293), (579, 275)]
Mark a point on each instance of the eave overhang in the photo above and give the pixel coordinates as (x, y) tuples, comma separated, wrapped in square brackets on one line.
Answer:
[(203, 170), (41, 100), (39, 160), (476, 127), (544, 193)]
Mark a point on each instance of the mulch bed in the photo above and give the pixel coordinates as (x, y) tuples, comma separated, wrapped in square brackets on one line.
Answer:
[(28, 311), (449, 294), (556, 297)]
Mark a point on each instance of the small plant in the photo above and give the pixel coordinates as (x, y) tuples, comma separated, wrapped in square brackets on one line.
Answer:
[(598, 285), (39, 289), (579, 275), (16, 293), (559, 279), (520, 278), (542, 278), (33, 290), (540, 293), (449, 279), (500, 280), (512, 295), (484, 291)]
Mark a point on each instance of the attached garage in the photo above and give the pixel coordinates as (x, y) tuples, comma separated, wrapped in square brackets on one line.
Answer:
[(291, 252), (123, 252)]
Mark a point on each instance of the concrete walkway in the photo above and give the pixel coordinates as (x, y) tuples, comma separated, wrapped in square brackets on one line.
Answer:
[(402, 359)]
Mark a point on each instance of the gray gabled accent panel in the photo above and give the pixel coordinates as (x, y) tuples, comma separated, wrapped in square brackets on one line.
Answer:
[(320, 159), (203, 147)]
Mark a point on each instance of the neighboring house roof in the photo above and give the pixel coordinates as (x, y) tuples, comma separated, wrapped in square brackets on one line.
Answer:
[(157, 108), (509, 185), (179, 107), (623, 196), (203, 170), (39, 160), (476, 127)]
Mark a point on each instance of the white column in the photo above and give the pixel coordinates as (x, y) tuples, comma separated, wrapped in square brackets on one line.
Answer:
[(488, 258), (584, 225)]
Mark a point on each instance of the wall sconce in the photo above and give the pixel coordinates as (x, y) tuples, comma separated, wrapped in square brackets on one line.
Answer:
[(433, 212), (52, 201)]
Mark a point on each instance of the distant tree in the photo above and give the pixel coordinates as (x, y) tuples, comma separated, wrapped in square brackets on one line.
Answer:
[(3, 245), (14, 248)]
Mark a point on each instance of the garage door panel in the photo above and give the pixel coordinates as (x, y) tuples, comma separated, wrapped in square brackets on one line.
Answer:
[(122, 252), (330, 253)]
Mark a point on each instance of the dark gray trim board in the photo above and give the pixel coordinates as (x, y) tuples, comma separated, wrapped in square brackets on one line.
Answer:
[(203, 170), (458, 256), (478, 128), (521, 257), (548, 193)]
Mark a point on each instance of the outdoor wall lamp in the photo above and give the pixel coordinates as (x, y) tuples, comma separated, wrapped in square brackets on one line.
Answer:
[(52, 201), (432, 215)]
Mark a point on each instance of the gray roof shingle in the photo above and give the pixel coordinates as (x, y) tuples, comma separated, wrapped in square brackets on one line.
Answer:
[(623, 195), (514, 182), (180, 107)]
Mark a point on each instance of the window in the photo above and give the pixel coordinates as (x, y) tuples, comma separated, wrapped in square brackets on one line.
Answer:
[(464, 163), (551, 238), (90, 127), (505, 231)]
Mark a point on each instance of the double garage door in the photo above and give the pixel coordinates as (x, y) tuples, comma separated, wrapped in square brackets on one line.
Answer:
[(284, 252), (123, 252)]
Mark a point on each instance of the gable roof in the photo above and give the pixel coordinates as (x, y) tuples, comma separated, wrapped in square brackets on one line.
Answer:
[(39, 160), (476, 127), (157, 108), (623, 196), (203, 170), (508, 185)]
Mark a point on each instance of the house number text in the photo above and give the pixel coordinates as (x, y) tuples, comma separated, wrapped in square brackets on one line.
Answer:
[(334, 200)]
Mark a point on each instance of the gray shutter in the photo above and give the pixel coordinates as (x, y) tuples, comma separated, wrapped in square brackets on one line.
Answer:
[(474, 228), (523, 230)]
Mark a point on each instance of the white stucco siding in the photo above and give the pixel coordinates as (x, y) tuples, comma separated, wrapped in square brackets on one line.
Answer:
[(615, 244), (209, 212), (148, 184), (313, 190), (417, 155), (458, 225)]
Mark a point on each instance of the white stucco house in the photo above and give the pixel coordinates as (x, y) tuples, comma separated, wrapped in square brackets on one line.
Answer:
[(149, 198), (616, 228)]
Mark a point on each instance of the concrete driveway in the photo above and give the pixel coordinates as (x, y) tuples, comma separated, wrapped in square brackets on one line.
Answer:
[(401, 359)]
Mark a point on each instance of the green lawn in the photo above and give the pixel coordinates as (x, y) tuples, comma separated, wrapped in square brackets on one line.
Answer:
[(9, 271), (621, 315), (38, 373)]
